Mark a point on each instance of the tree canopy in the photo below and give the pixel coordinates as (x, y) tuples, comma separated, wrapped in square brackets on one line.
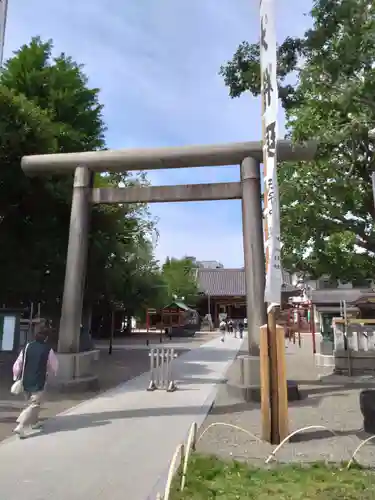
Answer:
[(179, 276), (47, 106), (326, 83)]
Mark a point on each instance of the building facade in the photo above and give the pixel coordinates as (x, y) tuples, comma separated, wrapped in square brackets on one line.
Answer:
[(327, 294), (223, 292), (210, 264)]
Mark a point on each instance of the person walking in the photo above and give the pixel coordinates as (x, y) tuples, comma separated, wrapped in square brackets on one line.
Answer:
[(33, 365), (241, 329), (222, 328), (230, 326)]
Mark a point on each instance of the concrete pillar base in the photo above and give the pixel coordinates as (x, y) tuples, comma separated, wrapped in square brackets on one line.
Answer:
[(77, 372), (244, 378), (325, 360), (354, 362)]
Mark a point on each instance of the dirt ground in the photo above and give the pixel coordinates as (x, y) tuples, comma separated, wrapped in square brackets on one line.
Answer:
[(328, 400), (129, 359)]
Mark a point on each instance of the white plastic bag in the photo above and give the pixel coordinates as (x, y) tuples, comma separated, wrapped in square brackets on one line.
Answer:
[(17, 387)]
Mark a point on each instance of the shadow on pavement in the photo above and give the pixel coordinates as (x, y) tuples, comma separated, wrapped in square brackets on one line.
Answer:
[(68, 423), (313, 435)]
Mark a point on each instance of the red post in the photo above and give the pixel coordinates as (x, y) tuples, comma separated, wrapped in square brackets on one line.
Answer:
[(312, 327), (288, 329), (299, 326)]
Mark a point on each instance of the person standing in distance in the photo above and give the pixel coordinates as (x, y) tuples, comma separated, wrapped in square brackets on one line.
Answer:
[(40, 361), (240, 328), (222, 328)]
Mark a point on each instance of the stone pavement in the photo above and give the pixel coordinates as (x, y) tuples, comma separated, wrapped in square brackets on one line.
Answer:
[(329, 400), (129, 359), (119, 444), (113, 370)]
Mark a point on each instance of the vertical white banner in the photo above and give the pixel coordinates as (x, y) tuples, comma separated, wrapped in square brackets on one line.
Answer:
[(3, 22), (269, 93)]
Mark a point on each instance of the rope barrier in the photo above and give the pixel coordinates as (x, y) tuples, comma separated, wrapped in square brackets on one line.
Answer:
[(224, 424), (285, 440), (353, 459), (180, 451), (184, 451), (190, 445)]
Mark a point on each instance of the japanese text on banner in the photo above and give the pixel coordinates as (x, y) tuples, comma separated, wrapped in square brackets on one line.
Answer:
[(268, 62)]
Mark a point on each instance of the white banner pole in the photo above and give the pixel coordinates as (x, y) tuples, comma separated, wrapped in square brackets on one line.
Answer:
[(274, 405), (269, 93)]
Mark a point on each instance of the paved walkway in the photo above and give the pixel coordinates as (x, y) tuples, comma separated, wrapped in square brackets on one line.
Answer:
[(329, 400), (119, 444)]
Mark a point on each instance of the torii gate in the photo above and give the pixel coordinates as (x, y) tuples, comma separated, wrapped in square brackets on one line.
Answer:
[(246, 154)]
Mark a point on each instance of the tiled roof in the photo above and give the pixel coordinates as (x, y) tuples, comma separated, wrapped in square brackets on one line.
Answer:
[(179, 304), (333, 296), (224, 282), (228, 282)]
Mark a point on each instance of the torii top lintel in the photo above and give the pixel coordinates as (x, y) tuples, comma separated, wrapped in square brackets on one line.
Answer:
[(161, 158)]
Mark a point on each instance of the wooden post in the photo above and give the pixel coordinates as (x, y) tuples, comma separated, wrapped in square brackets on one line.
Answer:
[(282, 385), (265, 383), (274, 388), (274, 382)]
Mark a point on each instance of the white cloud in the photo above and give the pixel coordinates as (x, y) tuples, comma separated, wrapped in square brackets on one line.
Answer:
[(157, 64)]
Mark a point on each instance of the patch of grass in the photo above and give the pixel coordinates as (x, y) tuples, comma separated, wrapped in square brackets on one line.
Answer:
[(210, 478)]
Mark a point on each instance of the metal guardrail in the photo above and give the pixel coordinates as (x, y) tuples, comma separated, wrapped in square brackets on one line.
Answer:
[(161, 374)]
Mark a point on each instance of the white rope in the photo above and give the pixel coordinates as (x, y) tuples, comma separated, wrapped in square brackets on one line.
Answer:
[(184, 452), (179, 452), (224, 424), (285, 440), (190, 445), (353, 459)]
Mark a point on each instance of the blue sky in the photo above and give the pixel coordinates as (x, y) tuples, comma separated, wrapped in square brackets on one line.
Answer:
[(157, 64)]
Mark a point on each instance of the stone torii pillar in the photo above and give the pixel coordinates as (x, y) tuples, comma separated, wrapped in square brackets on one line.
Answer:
[(76, 262), (253, 245)]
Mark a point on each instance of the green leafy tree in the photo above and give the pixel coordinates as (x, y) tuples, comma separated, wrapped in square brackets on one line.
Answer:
[(35, 212), (179, 276), (23, 127), (48, 107), (326, 206), (134, 275)]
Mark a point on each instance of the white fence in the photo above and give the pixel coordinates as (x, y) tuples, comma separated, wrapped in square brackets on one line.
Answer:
[(355, 336), (161, 369)]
